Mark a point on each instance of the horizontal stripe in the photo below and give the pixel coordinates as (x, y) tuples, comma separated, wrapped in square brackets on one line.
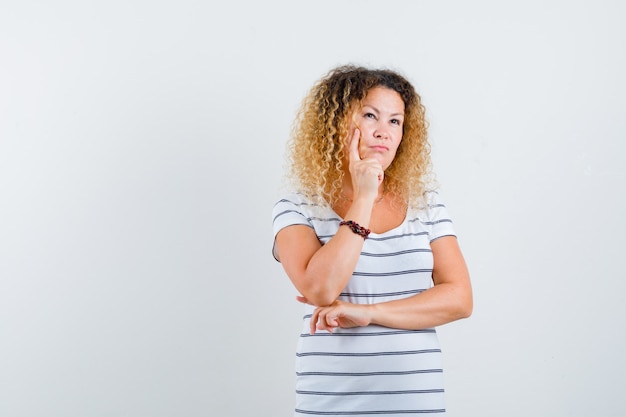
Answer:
[(437, 222), (366, 354), (379, 373), (295, 203), (390, 274), (385, 294), (400, 236), (379, 239), (326, 219), (282, 213), (415, 391), (357, 413), (325, 237), (439, 237), (389, 254), (381, 333)]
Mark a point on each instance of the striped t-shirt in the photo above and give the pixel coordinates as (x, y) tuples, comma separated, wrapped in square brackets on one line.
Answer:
[(372, 370)]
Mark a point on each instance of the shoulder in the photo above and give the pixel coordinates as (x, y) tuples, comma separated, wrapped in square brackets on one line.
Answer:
[(295, 198), (433, 215), (294, 202), (428, 206), (296, 208)]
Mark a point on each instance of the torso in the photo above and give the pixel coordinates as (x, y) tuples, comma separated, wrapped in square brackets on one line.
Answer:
[(373, 369)]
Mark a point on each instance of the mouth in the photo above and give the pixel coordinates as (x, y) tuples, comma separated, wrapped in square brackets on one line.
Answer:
[(379, 148)]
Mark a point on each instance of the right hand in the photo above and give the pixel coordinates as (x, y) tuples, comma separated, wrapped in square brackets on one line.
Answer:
[(340, 314), (367, 174)]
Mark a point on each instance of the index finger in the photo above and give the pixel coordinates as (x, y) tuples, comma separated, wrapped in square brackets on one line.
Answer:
[(313, 321), (354, 145)]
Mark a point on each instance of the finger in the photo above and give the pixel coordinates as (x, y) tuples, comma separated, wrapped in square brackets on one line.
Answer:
[(354, 145), (332, 321), (320, 323), (302, 299), (313, 321), (377, 170), (323, 322)]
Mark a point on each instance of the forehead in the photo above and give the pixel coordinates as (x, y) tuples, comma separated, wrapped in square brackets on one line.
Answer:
[(386, 97)]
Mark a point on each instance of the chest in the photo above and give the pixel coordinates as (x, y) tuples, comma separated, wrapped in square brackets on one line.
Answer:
[(386, 215)]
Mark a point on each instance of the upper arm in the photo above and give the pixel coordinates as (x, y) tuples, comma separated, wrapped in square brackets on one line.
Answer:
[(450, 270), (449, 265), (294, 246)]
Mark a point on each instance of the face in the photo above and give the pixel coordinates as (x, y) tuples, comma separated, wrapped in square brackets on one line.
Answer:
[(380, 121)]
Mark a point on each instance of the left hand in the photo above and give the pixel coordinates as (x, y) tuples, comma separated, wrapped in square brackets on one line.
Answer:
[(338, 314)]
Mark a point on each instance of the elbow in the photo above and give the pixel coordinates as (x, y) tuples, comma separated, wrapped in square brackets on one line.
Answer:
[(465, 307), (466, 312), (319, 292), (464, 302), (321, 298), (460, 305), (458, 312)]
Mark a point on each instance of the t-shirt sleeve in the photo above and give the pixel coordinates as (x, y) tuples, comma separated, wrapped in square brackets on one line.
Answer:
[(438, 218), (288, 211)]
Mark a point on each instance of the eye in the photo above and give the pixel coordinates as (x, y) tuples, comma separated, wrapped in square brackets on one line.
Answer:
[(369, 115), (396, 122)]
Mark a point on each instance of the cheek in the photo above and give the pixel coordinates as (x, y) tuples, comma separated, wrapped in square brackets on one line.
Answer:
[(398, 141), (395, 152)]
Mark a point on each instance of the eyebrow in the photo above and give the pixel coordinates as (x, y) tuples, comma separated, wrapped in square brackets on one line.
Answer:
[(378, 111)]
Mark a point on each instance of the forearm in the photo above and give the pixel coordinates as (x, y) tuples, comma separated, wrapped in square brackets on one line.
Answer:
[(330, 268), (438, 305)]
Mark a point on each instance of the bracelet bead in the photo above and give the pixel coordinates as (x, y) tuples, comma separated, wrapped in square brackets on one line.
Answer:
[(356, 228)]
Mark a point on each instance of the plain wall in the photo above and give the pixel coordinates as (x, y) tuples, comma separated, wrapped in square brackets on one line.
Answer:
[(141, 152)]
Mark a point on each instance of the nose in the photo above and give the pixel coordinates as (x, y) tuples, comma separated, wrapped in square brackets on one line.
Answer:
[(381, 133)]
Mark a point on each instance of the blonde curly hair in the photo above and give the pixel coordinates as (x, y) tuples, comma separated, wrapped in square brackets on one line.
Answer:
[(317, 144)]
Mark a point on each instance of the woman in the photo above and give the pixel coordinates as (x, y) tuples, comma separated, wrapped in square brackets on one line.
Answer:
[(370, 249)]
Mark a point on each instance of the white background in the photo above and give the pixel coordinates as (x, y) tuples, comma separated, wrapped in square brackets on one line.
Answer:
[(141, 151)]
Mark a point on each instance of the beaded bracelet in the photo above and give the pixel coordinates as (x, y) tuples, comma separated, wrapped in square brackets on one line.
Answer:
[(356, 228)]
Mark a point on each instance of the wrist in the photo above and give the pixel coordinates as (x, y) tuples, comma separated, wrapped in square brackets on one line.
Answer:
[(356, 228), (371, 313), (365, 198)]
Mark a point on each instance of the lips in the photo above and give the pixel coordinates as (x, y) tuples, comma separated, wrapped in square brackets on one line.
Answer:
[(379, 148)]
